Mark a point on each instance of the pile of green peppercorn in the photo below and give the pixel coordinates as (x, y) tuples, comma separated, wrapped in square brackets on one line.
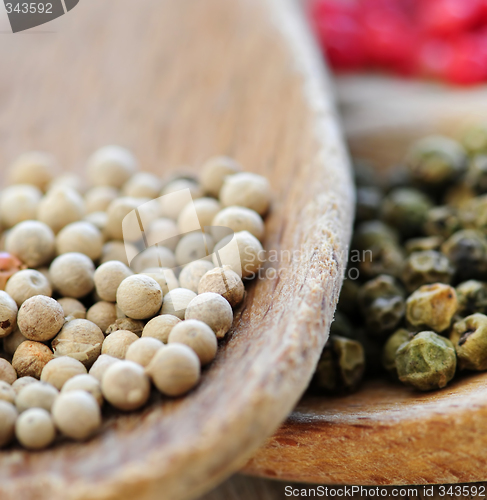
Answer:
[(418, 306)]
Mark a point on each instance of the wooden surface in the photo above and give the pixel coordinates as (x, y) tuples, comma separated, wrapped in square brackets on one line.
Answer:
[(387, 433), (178, 81)]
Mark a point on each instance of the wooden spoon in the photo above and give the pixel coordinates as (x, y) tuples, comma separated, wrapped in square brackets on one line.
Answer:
[(179, 81), (386, 433)]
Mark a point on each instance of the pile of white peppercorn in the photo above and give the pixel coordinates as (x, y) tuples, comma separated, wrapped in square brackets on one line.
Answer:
[(80, 328)]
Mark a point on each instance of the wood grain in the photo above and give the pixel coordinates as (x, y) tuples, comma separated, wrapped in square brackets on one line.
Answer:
[(178, 81), (387, 433)]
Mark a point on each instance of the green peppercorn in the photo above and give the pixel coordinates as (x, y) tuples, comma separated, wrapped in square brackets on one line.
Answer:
[(469, 336), (475, 139), (427, 362), (369, 200), (425, 268), (472, 297), (382, 303), (476, 176), (341, 366), (395, 177), (467, 251), (458, 195), (441, 221), (390, 348), (386, 257), (423, 244), (436, 160), (371, 232), (405, 209), (432, 306)]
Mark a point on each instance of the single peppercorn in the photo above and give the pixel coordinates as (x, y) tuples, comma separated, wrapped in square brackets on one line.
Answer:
[(441, 221), (436, 160), (423, 244), (87, 383), (26, 283), (212, 309), (142, 185), (102, 314), (405, 209), (30, 358), (237, 219), (198, 214), (101, 365), (18, 203), (40, 318), (194, 246), (197, 335), (82, 237), (139, 297), (382, 303), (472, 297), (36, 395), (469, 336), (117, 343), (467, 251), (424, 268), (72, 275), (59, 370), (160, 327), (7, 372), (35, 429), (176, 301), (248, 190), (225, 282), (390, 348), (111, 166), (8, 314), (432, 306), (341, 365), (372, 232), (143, 350), (385, 257), (192, 273), (215, 170), (427, 362)]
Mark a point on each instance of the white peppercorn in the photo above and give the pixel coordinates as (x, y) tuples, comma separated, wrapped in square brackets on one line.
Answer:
[(8, 314), (176, 301), (6, 392), (117, 343), (126, 386), (212, 309), (85, 382), (197, 335), (60, 370), (171, 206), (151, 257), (25, 284), (13, 341), (160, 327), (132, 325), (33, 167), (72, 308), (143, 350), (175, 369), (8, 416), (98, 198), (40, 318), (72, 274), (100, 366), (242, 252), (79, 339), (164, 231), (111, 166), (36, 395), (117, 250), (30, 358), (198, 214), (237, 219), (69, 180), (224, 281), (192, 273), (99, 220), (214, 172), (7, 372), (77, 414), (117, 211), (32, 242), (82, 237), (22, 382), (59, 207), (35, 429), (142, 185), (246, 190), (194, 246), (103, 314), (108, 277), (18, 203), (139, 297), (165, 277)]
